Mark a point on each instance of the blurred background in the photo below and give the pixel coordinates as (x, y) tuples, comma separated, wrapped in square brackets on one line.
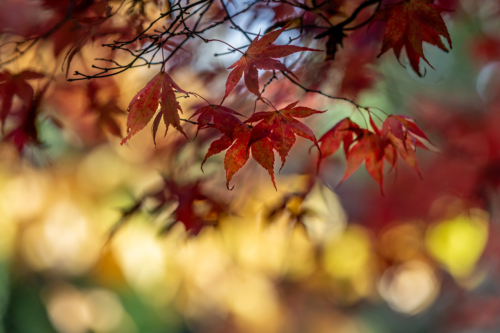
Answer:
[(101, 237)]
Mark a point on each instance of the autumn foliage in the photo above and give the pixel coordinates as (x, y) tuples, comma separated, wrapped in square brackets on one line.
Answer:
[(259, 134), (409, 24), (212, 96)]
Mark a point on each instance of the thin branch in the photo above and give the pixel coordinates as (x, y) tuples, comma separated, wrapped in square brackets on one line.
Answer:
[(366, 21), (358, 10), (69, 13), (274, 77), (234, 24), (231, 51), (307, 90)]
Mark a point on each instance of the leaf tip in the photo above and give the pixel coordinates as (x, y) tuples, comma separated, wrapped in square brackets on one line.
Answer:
[(125, 140)]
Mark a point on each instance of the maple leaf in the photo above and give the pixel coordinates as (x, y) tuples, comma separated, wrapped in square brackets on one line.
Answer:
[(404, 136), (145, 103), (189, 197), (409, 24), (260, 55), (106, 111), (169, 106), (406, 151), (186, 213), (15, 85), (239, 152), (26, 132), (401, 126), (281, 127), (340, 133), (367, 147), (237, 155), (217, 146), (223, 119), (399, 136)]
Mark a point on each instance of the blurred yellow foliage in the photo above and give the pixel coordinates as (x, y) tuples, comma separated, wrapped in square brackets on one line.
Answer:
[(459, 242), (240, 271)]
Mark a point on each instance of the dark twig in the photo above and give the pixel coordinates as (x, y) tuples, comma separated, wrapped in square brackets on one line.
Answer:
[(234, 24), (69, 13), (307, 90), (274, 77)]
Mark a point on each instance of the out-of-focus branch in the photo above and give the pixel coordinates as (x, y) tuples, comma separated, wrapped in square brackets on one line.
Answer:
[(69, 14)]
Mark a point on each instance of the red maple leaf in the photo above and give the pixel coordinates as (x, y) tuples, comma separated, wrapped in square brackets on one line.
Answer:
[(259, 55), (145, 103), (186, 213), (340, 133), (368, 147), (189, 198), (401, 126), (223, 119), (239, 152), (409, 24), (15, 85), (281, 127), (404, 137), (26, 132), (399, 135)]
